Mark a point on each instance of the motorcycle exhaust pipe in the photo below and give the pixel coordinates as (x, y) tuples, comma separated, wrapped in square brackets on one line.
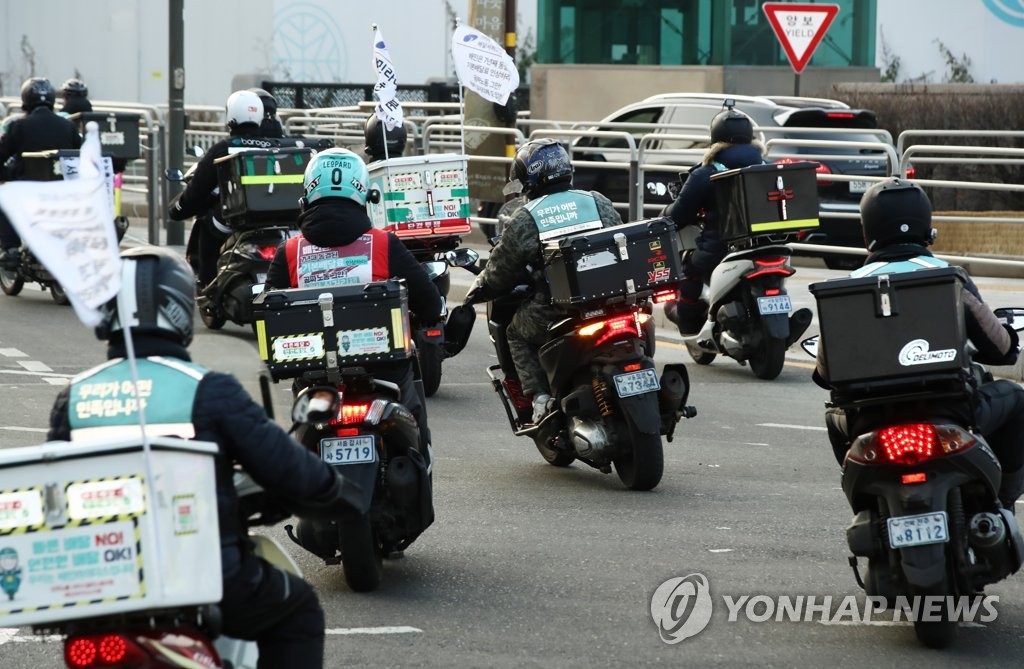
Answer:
[(798, 324)]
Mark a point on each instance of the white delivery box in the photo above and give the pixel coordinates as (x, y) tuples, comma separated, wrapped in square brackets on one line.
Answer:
[(421, 196), (77, 537)]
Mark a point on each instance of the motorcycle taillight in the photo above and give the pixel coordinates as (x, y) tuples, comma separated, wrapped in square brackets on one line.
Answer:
[(909, 444), (103, 650), (763, 266), (268, 252), (611, 328), (355, 413)]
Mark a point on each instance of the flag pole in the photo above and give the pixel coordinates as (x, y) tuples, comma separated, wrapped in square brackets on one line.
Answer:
[(462, 104)]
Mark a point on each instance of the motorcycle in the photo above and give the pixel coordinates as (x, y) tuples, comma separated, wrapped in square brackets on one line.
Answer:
[(921, 482), (750, 314), (343, 337), (608, 406), (256, 219), (46, 166), (191, 637)]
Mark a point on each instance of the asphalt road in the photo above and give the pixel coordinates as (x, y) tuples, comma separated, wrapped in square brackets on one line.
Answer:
[(530, 565)]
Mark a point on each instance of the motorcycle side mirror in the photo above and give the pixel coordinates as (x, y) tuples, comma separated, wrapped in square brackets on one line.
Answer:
[(373, 196), (197, 151), (174, 174), (316, 404), (1012, 316), (462, 257), (810, 346)]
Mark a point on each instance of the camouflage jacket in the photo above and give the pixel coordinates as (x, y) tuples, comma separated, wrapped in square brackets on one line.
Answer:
[(518, 258)]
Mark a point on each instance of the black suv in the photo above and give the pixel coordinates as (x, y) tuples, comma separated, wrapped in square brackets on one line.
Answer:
[(690, 114)]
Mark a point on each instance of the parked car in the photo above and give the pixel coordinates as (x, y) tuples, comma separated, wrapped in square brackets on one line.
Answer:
[(690, 114)]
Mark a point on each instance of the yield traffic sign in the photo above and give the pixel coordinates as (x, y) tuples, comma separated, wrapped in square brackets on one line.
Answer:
[(799, 27)]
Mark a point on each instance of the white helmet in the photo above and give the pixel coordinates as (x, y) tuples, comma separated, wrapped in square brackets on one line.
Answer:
[(243, 107)]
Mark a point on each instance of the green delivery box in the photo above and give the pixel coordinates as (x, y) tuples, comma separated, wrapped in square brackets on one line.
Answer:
[(421, 196)]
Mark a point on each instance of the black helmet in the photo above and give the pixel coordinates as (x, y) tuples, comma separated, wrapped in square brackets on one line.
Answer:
[(540, 164), (37, 92), (374, 134), (896, 211), (158, 290), (269, 102), (74, 88), (732, 126)]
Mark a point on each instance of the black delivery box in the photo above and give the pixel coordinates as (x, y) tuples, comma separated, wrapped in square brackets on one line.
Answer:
[(630, 260), (771, 199), (907, 325), (259, 186), (308, 330), (119, 132), (45, 165)]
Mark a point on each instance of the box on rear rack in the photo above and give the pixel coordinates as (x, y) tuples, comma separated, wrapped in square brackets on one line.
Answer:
[(885, 328), (421, 196), (261, 186), (85, 533), (772, 199), (301, 331), (613, 264), (119, 132)]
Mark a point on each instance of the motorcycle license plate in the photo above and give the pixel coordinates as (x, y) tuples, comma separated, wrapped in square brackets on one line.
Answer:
[(859, 186), (925, 528), (261, 277), (636, 383), (348, 450), (776, 304)]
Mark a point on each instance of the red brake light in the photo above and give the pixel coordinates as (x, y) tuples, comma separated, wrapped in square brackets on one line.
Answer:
[(908, 444), (347, 432), (632, 367), (664, 296), (351, 414), (434, 333), (910, 171), (611, 328), (268, 252), (919, 477), (770, 266), (835, 114), (772, 291), (103, 650)]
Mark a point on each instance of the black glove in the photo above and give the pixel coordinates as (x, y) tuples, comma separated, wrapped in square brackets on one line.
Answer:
[(342, 498)]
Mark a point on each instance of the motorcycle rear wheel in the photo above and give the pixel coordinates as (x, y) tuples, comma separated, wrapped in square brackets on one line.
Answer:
[(430, 356), (11, 282), (361, 554), (769, 359), (935, 633), (211, 318), (58, 295), (643, 467)]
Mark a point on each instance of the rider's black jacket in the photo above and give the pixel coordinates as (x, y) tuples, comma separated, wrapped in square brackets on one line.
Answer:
[(225, 414), (40, 130), (195, 199), (339, 221)]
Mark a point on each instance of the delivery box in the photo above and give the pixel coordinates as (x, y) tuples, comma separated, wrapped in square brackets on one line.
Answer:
[(773, 199), (88, 530), (421, 196)]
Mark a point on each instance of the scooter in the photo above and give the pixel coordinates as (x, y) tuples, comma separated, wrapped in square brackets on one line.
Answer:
[(920, 479)]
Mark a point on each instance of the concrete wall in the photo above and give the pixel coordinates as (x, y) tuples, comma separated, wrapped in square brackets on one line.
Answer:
[(591, 92)]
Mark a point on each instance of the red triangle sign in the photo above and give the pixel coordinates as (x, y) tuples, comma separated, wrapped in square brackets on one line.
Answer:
[(799, 27)]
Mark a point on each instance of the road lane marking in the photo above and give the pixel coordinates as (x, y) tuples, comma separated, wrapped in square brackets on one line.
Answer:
[(8, 634), (794, 427), (56, 382), (25, 372), (401, 629), (14, 428), (35, 366), (13, 353), (720, 550)]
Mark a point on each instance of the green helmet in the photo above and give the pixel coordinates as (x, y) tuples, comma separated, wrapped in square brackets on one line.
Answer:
[(335, 173)]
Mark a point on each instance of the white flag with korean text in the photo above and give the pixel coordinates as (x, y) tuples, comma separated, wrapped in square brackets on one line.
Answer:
[(483, 66), (388, 109), (68, 225)]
